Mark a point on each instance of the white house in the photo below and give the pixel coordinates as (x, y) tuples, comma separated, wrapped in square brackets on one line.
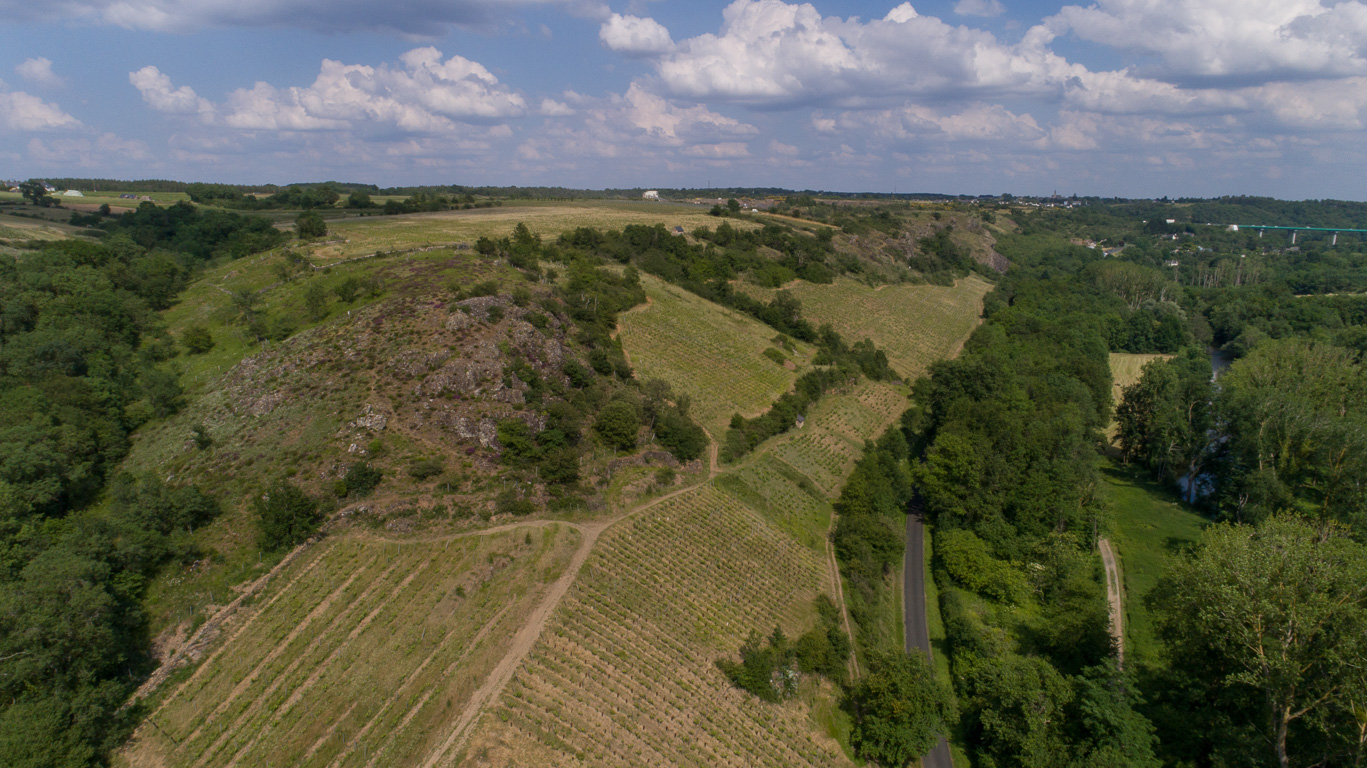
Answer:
[(650, 194)]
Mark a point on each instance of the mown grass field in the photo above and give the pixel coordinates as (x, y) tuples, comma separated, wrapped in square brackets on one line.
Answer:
[(1148, 527), (710, 353), (351, 237), (914, 324), (1126, 368), (357, 654)]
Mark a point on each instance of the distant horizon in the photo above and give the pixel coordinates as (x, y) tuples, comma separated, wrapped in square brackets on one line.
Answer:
[(1122, 98)]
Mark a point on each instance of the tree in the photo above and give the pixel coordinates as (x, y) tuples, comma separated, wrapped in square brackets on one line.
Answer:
[(286, 516), (36, 192), (901, 710), (316, 301), (1166, 420), (310, 224), (617, 424), (1272, 622), (359, 199)]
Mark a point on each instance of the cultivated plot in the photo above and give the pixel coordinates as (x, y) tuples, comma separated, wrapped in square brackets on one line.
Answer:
[(359, 655), (710, 353), (625, 674), (914, 324)]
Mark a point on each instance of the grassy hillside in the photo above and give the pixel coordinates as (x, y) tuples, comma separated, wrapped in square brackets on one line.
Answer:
[(915, 324), (712, 354), (365, 651)]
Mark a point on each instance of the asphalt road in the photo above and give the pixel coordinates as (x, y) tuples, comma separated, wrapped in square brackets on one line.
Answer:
[(916, 631)]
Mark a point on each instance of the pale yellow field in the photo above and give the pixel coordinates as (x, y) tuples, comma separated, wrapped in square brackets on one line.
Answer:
[(1126, 367), (710, 353), (914, 324)]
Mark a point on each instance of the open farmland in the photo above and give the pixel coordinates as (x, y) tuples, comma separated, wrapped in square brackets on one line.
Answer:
[(710, 353), (359, 652), (353, 237), (914, 324)]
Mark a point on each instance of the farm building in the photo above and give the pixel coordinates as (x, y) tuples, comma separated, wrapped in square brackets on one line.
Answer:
[(650, 194)]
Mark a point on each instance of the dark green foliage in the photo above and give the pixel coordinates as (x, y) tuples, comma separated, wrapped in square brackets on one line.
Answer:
[(197, 340), (310, 225), (767, 667), (967, 560), (617, 424), (286, 516), (361, 478), (359, 199), (510, 502), (200, 434), (900, 709), (680, 435), (347, 290), (578, 375), (163, 391), (518, 443)]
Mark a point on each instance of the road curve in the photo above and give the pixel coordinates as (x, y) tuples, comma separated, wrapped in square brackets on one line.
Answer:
[(916, 631)]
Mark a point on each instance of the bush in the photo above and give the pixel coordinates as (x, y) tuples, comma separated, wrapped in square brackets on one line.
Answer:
[(966, 559), (901, 710), (510, 503), (197, 340), (617, 424), (423, 469), (361, 478), (285, 517), (310, 224)]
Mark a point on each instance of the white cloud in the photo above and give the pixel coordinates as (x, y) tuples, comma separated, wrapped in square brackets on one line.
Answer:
[(409, 18), (1246, 41), (20, 111), (634, 36), (553, 108), (987, 8), (659, 117), (423, 94), (157, 92), (39, 72), (779, 148)]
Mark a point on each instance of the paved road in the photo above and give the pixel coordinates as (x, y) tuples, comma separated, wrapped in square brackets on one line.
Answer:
[(916, 632)]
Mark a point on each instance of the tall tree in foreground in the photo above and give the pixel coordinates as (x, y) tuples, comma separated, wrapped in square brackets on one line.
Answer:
[(1268, 626), (901, 710)]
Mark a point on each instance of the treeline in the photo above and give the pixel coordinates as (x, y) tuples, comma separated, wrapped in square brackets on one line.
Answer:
[(83, 362), (1009, 478)]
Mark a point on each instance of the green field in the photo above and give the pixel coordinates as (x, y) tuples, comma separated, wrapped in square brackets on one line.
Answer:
[(712, 354), (357, 652), (914, 324), (1148, 527)]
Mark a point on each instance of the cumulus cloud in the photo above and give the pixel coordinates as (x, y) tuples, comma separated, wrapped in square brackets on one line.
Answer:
[(423, 93), (634, 36), (410, 18), (156, 90), (39, 72), (986, 8), (20, 111), (1243, 41)]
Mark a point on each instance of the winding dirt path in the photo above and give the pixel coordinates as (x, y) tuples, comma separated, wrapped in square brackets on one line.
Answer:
[(1115, 591)]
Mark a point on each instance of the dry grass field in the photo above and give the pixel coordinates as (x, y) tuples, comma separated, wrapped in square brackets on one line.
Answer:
[(1125, 370), (915, 324), (712, 354)]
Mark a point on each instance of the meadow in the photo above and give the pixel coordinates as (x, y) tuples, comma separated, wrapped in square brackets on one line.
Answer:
[(357, 654), (1126, 368), (712, 354), (914, 324), (1148, 527)]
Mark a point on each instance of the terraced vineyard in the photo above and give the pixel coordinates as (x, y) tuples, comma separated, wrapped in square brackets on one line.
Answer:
[(826, 448), (360, 653), (915, 324), (625, 674), (712, 354)]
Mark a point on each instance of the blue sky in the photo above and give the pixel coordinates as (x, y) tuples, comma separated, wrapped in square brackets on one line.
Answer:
[(1116, 97)]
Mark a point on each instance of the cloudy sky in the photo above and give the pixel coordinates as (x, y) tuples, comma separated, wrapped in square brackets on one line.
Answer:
[(1119, 97)]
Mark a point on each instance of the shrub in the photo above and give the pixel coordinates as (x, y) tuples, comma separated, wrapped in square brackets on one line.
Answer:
[(361, 478), (286, 516), (197, 340), (617, 424), (423, 469), (966, 559), (310, 224)]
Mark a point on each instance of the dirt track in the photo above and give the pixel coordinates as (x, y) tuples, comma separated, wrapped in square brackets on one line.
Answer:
[(1114, 597)]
